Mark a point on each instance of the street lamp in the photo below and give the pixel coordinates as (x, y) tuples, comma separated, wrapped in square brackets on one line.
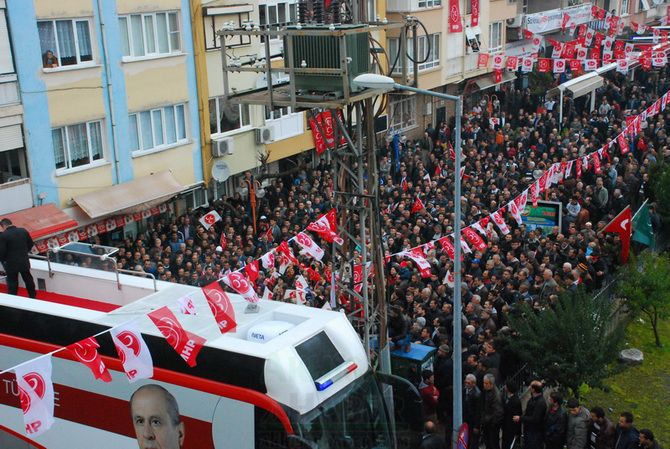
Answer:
[(375, 81)]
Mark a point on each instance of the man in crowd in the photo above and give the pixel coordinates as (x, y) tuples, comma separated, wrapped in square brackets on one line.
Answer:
[(15, 244)]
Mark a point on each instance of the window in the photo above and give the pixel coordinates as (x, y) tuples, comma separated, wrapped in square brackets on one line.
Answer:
[(157, 129), (224, 117), (150, 34), (468, 7), (624, 7), (277, 14), (276, 113), (431, 3), (77, 145), (495, 37), (429, 52), (402, 112), (65, 42)]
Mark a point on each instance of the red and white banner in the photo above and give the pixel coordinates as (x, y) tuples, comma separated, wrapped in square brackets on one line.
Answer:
[(500, 222), (544, 64), (326, 227), (287, 253), (534, 188), (133, 352), (417, 206), (559, 65), (209, 219), (498, 61), (512, 63), (449, 279), (238, 282), (316, 125), (36, 393), (527, 64), (448, 246), (251, 270), (482, 60), (464, 246), (308, 246), (186, 305), (419, 258), (623, 144), (622, 225), (268, 260), (474, 21), (474, 239), (590, 64), (187, 344), (455, 24), (221, 307), (86, 352), (515, 212), (267, 295)]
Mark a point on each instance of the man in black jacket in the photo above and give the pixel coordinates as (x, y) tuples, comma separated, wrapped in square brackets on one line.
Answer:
[(627, 436), (511, 431), (472, 409), (492, 413), (15, 244), (533, 418)]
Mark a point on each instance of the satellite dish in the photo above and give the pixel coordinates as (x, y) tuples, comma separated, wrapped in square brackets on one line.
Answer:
[(220, 171)]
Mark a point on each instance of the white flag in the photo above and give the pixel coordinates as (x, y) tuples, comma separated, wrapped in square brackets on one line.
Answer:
[(500, 221), (267, 294), (449, 279), (465, 246), (133, 352), (186, 305), (301, 283), (238, 282), (309, 246), (514, 210), (268, 260), (209, 219), (36, 392)]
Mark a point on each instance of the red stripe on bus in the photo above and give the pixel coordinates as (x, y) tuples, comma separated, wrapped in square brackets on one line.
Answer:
[(241, 394), (21, 437), (67, 300)]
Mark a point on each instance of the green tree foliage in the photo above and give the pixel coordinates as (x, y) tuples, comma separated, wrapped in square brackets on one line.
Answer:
[(659, 177), (646, 289), (570, 343)]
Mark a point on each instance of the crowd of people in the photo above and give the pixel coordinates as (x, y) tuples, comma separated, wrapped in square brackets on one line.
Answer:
[(526, 265)]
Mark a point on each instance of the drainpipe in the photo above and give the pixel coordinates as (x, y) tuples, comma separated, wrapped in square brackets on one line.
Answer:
[(110, 93)]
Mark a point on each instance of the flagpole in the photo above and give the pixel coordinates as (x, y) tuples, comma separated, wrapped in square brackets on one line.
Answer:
[(639, 209)]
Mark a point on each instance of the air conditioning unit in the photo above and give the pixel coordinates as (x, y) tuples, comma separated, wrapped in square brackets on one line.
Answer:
[(515, 22), (222, 147), (264, 135)]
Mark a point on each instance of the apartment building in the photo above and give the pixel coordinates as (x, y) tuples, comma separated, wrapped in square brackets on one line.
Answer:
[(110, 104), (15, 189), (447, 60)]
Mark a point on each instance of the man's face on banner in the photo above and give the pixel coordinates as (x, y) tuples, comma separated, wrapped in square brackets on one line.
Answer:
[(153, 425)]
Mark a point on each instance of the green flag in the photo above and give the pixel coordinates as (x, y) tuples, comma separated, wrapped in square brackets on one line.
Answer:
[(642, 230)]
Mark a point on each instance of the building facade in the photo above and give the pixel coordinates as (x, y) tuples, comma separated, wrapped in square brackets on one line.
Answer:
[(109, 94)]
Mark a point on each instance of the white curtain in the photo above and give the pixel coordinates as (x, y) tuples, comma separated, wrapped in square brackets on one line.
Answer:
[(66, 45)]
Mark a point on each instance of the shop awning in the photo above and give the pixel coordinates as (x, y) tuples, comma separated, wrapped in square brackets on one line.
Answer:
[(579, 86), (130, 197), (42, 221), (486, 81)]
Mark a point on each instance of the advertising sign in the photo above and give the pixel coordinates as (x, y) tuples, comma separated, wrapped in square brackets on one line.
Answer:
[(544, 216)]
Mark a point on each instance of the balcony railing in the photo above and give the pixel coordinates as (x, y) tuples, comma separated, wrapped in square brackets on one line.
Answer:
[(15, 195)]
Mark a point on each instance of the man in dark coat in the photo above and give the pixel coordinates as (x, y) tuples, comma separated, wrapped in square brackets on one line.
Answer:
[(511, 430), (603, 433), (627, 436), (555, 423), (492, 413), (472, 409), (15, 244), (533, 418), (431, 438)]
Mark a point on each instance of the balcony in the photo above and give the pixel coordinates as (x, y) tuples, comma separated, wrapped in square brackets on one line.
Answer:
[(412, 5), (464, 66), (9, 90), (15, 195)]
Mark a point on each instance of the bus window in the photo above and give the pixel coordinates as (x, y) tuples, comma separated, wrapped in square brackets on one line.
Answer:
[(269, 432), (12, 440)]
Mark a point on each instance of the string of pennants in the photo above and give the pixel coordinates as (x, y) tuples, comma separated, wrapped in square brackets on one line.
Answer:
[(484, 229), (34, 376), (587, 52)]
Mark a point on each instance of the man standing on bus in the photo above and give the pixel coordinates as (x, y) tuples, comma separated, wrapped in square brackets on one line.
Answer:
[(156, 419), (15, 244)]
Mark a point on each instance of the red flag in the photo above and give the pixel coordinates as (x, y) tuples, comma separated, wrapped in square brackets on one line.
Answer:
[(417, 206), (475, 239), (512, 63), (284, 249), (326, 227), (455, 24), (544, 64), (500, 222), (223, 243), (475, 12), (328, 128), (86, 351), (623, 143), (596, 163), (448, 246), (251, 269), (420, 259), (621, 224), (238, 282), (187, 344), (319, 141), (575, 65), (497, 76), (221, 307), (308, 246), (534, 191)]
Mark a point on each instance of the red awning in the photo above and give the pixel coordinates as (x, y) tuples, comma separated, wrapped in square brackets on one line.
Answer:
[(42, 221)]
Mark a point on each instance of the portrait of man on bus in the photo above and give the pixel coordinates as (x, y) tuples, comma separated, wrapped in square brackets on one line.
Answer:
[(156, 420)]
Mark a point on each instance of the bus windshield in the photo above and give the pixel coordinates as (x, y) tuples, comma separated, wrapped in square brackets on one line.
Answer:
[(354, 418)]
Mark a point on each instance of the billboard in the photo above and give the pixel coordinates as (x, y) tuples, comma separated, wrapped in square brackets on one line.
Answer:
[(545, 216)]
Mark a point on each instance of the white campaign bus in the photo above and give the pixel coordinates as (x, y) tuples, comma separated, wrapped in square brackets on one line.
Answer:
[(289, 376)]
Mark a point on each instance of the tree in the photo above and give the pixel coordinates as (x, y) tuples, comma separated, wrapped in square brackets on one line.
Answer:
[(646, 289), (659, 175), (570, 343)]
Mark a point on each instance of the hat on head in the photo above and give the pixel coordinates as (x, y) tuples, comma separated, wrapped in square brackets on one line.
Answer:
[(444, 348)]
